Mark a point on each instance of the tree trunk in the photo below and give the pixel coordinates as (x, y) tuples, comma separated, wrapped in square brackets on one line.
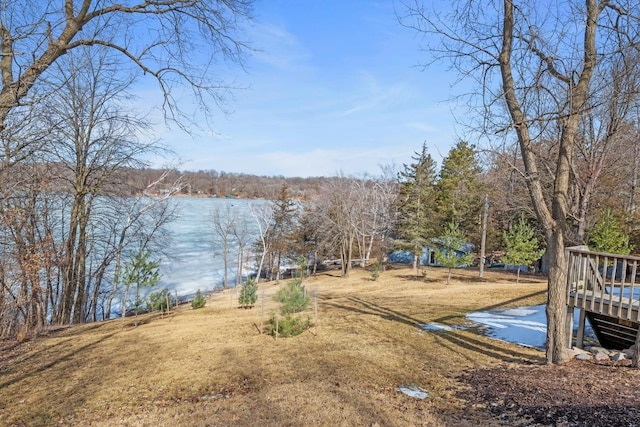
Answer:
[(483, 236), (557, 341), (225, 262), (125, 293), (553, 221), (636, 351)]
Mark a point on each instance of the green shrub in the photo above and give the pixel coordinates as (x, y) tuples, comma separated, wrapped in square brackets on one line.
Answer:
[(376, 269), (293, 298), (157, 301), (288, 326), (248, 294), (199, 301)]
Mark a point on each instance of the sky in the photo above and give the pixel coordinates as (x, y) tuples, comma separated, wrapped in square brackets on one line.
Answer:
[(333, 87)]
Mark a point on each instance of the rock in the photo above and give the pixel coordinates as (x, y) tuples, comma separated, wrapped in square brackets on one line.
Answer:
[(601, 356), (599, 350), (583, 356), (574, 352), (617, 356)]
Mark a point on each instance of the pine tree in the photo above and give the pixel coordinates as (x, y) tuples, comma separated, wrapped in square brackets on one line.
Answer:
[(607, 236), (450, 253), (142, 272), (460, 191), (523, 247), (279, 234), (417, 217)]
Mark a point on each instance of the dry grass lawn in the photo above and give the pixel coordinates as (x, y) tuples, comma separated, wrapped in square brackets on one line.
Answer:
[(213, 367)]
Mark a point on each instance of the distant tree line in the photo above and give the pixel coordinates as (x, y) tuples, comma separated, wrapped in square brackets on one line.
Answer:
[(212, 183)]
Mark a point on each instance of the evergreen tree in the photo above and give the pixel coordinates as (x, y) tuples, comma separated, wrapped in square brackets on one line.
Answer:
[(523, 247), (199, 301), (460, 191), (248, 294), (608, 236), (417, 217), (142, 272), (279, 235), (450, 253)]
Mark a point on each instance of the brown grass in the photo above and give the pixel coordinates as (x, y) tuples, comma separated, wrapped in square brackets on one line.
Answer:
[(212, 367)]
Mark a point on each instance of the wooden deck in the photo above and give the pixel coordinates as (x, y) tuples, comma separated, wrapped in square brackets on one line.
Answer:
[(605, 289)]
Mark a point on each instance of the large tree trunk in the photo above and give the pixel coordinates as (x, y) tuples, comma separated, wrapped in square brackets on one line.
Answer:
[(556, 301)]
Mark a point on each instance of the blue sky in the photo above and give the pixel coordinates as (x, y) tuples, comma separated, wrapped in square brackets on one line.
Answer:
[(333, 87)]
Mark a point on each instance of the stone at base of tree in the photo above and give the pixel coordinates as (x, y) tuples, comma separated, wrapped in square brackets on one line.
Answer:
[(617, 356), (574, 352), (598, 350), (601, 354)]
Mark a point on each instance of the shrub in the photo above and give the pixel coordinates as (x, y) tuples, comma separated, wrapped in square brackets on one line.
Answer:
[(288, 326), (376, 269), (158, 301), (199, 301), (293, 298), (248, 294)]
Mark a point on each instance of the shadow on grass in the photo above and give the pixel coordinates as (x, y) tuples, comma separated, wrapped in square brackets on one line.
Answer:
[(66, 337), (420, 278), (501, 304), (455, 339), (63, 357)]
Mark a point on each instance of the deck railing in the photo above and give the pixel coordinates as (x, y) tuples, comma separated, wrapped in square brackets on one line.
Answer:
[(604, 283)]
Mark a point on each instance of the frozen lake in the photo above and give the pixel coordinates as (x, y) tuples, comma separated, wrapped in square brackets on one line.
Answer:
[(194, 258)]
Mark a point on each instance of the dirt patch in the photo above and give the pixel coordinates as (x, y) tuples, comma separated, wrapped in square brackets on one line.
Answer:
[(579, 393)]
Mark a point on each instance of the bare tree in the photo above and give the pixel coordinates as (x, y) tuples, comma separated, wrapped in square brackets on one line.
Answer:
[(159, 38), (263, 216), (27, 249), (128, 223), (92, 138), (223, 224), (547, 63), (375, 198), (338, 207)]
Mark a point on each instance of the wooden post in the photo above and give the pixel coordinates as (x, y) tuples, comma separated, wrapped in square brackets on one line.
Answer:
[(569, 315), (636, 351), (315, 309), (277, 323), (262, 312), (581, 325), (483, 241)]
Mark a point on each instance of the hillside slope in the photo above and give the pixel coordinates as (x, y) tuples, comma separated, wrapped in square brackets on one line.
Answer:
[(213, 367)]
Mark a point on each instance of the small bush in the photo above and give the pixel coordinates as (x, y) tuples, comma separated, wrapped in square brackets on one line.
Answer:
[(199, 301), (248, 294), (157, 301), (376, 269), (288, 326), (293, 298)]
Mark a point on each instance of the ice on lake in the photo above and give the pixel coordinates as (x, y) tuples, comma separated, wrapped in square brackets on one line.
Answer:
[(194, 258)]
